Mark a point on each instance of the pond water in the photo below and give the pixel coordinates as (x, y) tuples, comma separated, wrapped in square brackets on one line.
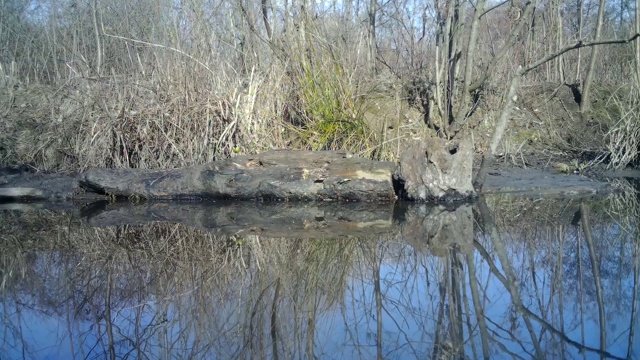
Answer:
[(508, 277)]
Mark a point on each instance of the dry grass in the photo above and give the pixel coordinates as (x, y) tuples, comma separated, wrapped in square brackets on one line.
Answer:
[(173, 97), (164, 122), (139, 123), (148, 85)]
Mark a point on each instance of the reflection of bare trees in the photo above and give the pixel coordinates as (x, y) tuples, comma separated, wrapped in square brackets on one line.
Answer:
[(573, 306), (558, 283), (510, 280), (477, 306), (595, 268), (449, 333)]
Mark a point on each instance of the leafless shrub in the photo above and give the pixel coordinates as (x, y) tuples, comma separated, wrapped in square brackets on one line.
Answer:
[(623, 138)]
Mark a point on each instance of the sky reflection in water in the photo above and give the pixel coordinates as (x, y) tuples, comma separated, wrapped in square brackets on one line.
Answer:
[(163, 290)]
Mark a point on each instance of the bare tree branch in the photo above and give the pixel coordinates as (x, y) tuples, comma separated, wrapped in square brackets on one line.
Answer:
[(524, 19), (577, 45), (494, 7)]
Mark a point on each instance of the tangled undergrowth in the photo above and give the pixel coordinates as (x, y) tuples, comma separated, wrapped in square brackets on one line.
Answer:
[(548, 127)]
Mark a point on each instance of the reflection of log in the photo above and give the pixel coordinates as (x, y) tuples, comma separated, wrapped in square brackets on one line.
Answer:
[(420, 225), (241, 218)]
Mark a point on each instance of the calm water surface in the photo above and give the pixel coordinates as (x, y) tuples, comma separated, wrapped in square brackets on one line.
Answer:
[(506, 278)]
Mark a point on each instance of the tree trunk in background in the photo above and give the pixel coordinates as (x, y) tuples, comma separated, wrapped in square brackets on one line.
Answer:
[(302, 26), (470, 58), (524, 20), (348, 11), (265, 18), (54, 31), (585, 104), (249, 41), (498, 132), (624, 5), (559, 43), (580, 4), (94, 14), (456, 30), (446, 60), (440, 49), (373, 53), (637, 42)]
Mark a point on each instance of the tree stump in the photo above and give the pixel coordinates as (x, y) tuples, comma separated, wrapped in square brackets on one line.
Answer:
[(437, 170)]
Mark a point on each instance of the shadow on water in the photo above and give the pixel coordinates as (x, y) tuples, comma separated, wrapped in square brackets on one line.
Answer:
[(506, 278)]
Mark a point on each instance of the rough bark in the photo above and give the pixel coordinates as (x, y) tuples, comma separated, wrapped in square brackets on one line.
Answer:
[(437, 170), (274, 175)]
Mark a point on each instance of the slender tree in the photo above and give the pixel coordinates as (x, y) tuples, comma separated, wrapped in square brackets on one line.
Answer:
[(371, 32), (585, 104)]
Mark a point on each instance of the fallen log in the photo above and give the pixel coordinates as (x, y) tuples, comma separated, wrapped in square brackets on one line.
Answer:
[(274, 175), (435, 170)]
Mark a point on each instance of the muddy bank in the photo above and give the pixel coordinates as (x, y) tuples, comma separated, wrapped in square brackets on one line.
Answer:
[(539, 182), (434, 170), (300, 219), (525, 182), (428, 171)]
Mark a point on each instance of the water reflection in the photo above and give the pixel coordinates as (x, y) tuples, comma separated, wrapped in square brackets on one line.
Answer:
[(511, 277)]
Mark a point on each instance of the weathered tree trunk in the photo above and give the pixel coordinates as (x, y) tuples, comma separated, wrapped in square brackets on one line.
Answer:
[(274, 175), (436, 170)]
